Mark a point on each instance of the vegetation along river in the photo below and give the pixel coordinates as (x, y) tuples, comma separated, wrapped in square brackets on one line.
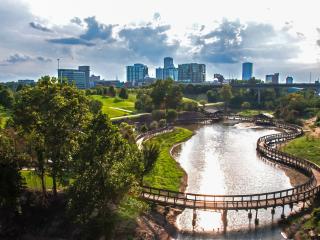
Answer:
[(222, 159)]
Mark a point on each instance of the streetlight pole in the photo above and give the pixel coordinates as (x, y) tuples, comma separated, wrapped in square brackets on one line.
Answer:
[(58, 60)]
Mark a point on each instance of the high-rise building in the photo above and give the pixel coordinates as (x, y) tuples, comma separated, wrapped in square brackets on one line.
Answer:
[(269, 78), (73, 76), (168, 71), (136, 74), (80, 77), (192, 72), (247, 69), (289, 80), (168, 63), (275, 79)]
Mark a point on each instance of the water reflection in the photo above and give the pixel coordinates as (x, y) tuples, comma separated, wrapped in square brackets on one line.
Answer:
[(222, 159)]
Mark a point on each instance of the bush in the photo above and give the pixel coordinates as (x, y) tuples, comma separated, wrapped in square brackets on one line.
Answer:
[(153, 125), (158, 114), (190, 106), (245, 105), (172, 115), (123, 93), (162, 122), (317, 123), (144, 128)]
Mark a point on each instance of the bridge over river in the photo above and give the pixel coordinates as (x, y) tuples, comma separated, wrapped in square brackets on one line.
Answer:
[(267, 149)]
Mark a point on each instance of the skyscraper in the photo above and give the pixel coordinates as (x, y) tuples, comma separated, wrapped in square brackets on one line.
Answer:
[(289, 80), (80, 77), (192, 72), (247, 68), (168, 62), (168, 71), (136, 74)]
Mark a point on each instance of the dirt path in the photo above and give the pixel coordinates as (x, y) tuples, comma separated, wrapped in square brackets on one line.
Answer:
[(308, 126)]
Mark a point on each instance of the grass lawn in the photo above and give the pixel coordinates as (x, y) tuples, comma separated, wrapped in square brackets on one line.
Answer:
[(252, 112), (4, 116), (306, 147), (33, 182), (113, 106), (167, 173)]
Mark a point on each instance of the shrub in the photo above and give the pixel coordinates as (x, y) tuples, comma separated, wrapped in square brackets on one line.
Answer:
[(172, 115), (158, 114), (162, 122), (153, 125)]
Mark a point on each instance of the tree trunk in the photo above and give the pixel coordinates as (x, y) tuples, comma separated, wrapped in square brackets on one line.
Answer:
[(54, 179), (42, 172)]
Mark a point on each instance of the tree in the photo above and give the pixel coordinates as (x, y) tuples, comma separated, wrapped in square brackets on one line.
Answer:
[(95, 106), (6, 97), (144, 103), (158, 114), (127, 132), (150, 153), (211, 96), (153, 125), (162, 123), (107, 168), (172, 115), (53, 115), (112, 91), (226, 95), (165, 94), (123, 93), (11, 183)]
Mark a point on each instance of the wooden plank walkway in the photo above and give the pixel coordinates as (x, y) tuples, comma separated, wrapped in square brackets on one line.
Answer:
[(265, 147)]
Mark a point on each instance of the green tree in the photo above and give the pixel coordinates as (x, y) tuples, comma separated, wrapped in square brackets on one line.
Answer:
[(165, 94), (95, 106), (154, 125), (11, 183), (144, 103), (158, 114), (53, 115), (150, 153), (127, 132), (107, 168), (112, 91), (226, 95), (172, 115), (123, 93), (211, 96)]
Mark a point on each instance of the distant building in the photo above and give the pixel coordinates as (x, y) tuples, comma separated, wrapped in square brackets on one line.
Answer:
[(168, 63), (136, 74), (168, 71), (269, 78), (80, 77), (95, 78), (272, 78), (192, 72), (275, 79), (26, 82), (247, 69), (289, 80)]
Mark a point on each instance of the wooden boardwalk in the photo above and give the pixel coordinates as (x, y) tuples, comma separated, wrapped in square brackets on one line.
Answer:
[(266, 148)]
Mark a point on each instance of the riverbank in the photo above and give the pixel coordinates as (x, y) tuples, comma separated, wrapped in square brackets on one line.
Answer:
[(305, 225)]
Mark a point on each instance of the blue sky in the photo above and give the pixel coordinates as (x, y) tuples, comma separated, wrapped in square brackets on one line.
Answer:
[(277, 36)]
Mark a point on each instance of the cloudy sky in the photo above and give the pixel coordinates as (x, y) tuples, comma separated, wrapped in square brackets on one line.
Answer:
[(277, 36)]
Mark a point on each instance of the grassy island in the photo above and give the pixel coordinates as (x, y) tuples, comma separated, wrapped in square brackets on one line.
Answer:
[(167, 173)]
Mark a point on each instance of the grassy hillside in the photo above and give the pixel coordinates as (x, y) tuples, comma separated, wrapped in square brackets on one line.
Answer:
[(167, 173), (116, 107)]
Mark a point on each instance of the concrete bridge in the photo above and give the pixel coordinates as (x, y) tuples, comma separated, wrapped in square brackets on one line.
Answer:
[(266, 147)]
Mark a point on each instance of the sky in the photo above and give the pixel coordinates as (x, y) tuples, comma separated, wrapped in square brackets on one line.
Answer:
[(277, 36)]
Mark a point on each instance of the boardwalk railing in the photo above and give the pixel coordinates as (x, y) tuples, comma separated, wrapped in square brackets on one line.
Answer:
[(266, 147)]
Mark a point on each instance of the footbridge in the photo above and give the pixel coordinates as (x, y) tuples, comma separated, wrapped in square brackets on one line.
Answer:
[(267, 149)]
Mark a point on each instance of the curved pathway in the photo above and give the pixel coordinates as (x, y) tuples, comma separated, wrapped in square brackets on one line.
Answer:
[(266, 147)]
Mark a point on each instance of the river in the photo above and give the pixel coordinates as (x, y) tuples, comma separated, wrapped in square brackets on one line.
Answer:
[(221, 159)]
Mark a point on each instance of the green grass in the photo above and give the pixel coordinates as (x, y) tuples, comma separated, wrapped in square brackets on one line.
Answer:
[(33, 182), (4, 116), (109, 103), (197, 97), (252, 112), (305, 147), (167, 173)]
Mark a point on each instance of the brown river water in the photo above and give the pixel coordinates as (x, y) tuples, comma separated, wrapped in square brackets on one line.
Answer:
[(221, 159)]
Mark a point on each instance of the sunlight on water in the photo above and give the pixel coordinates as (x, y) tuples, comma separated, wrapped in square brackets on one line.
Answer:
[(222, 160)]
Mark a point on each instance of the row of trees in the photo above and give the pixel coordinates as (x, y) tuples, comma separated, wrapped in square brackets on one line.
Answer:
[(56, 132), (110, 91)]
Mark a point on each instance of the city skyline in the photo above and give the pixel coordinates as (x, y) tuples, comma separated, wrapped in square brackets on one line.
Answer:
[(106, 38)]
